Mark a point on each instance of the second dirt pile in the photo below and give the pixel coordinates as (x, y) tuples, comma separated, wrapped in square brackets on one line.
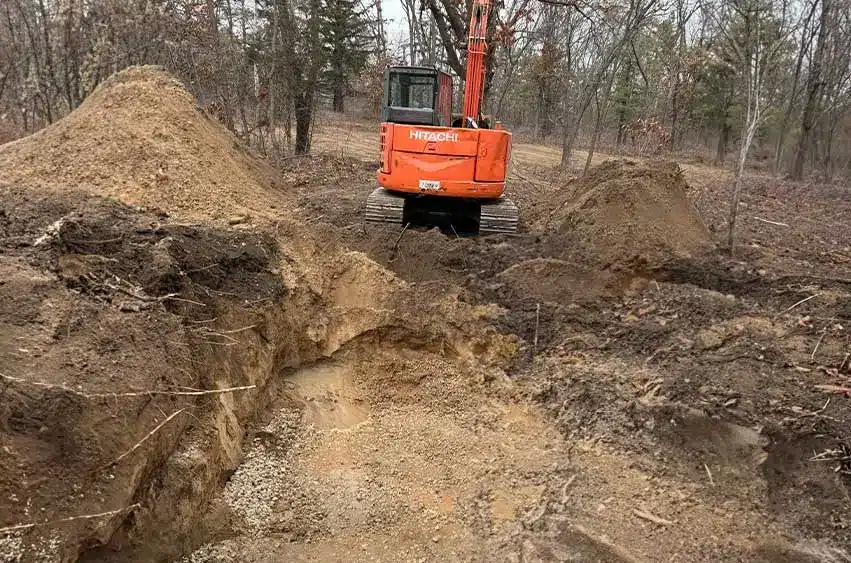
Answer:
[(622, 210)]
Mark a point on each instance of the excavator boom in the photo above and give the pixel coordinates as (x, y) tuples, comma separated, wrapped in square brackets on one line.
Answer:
[(477, 48)]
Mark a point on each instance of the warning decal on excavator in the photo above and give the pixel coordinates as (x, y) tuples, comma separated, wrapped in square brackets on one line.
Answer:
[(430, 185)]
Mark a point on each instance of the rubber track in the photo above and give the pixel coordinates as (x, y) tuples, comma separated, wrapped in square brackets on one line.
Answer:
[(498, 216), (383, 206)]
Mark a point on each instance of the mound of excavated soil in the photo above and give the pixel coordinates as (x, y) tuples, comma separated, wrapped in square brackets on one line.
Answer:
[(623, 211), (140, 137)]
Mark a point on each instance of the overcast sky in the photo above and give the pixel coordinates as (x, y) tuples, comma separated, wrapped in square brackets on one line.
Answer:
[(394, 13)]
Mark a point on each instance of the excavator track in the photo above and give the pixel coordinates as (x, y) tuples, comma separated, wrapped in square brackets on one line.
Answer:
[(450, 214), (383, 206), (498, 216)]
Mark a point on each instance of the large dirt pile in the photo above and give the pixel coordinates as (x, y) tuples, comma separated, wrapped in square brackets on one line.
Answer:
[(623, 211), (140, 137)]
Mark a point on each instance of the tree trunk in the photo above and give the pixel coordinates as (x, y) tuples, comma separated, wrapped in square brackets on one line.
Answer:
[(723, 143), (338, 104), (382, 39), (48, 83), (303, 115), (572, 128), (67, 60), (538, 113), (787, 114), (827, 158), (725, 130), (814, 86), (211, 16), (601, 111), (675, 112), (621, 126), (753, 117), (751, 125), (594, 137), (566, 135), (624, 102), (734, 202)]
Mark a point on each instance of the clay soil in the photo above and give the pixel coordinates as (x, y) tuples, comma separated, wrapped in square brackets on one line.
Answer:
[(206, 360)]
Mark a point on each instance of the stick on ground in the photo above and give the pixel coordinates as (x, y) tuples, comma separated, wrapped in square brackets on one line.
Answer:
[(804, 300), (709, 474), (398, 240), (143, 440), (779, 224), (652, 517), (19, 527), (813, 355), (834, 389)]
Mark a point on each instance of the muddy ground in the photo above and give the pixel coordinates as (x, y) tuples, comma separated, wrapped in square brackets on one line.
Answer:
[(228, 365)]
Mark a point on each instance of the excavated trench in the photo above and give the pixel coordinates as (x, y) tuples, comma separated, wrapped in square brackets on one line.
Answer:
[(367, 418), (369, 403), (282, 399)]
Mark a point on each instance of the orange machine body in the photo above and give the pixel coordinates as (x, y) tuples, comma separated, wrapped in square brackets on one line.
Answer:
[(444, 161), (438, 169)]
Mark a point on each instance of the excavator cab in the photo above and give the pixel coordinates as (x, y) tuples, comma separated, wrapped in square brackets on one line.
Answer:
[(417, 96)]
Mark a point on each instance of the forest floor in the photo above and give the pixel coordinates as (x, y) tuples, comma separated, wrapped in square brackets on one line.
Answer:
[(604, 386)]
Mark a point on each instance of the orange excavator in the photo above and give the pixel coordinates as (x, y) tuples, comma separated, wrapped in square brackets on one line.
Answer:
[(436, 169)]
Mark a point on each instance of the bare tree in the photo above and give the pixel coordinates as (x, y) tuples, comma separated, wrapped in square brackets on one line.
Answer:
[(815, 85), (754, 33), (612, 29), (804, 46)]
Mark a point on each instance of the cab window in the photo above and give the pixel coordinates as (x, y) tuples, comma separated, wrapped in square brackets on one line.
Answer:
[(412, 90)]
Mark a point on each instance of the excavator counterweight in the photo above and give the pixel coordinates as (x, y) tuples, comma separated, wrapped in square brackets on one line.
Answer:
[(437, 169)]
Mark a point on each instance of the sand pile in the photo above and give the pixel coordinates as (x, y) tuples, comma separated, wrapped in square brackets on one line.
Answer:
[(140, 137), (623, 210)]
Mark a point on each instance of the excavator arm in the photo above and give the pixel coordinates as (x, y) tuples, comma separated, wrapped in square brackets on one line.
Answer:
[(477, 47)]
